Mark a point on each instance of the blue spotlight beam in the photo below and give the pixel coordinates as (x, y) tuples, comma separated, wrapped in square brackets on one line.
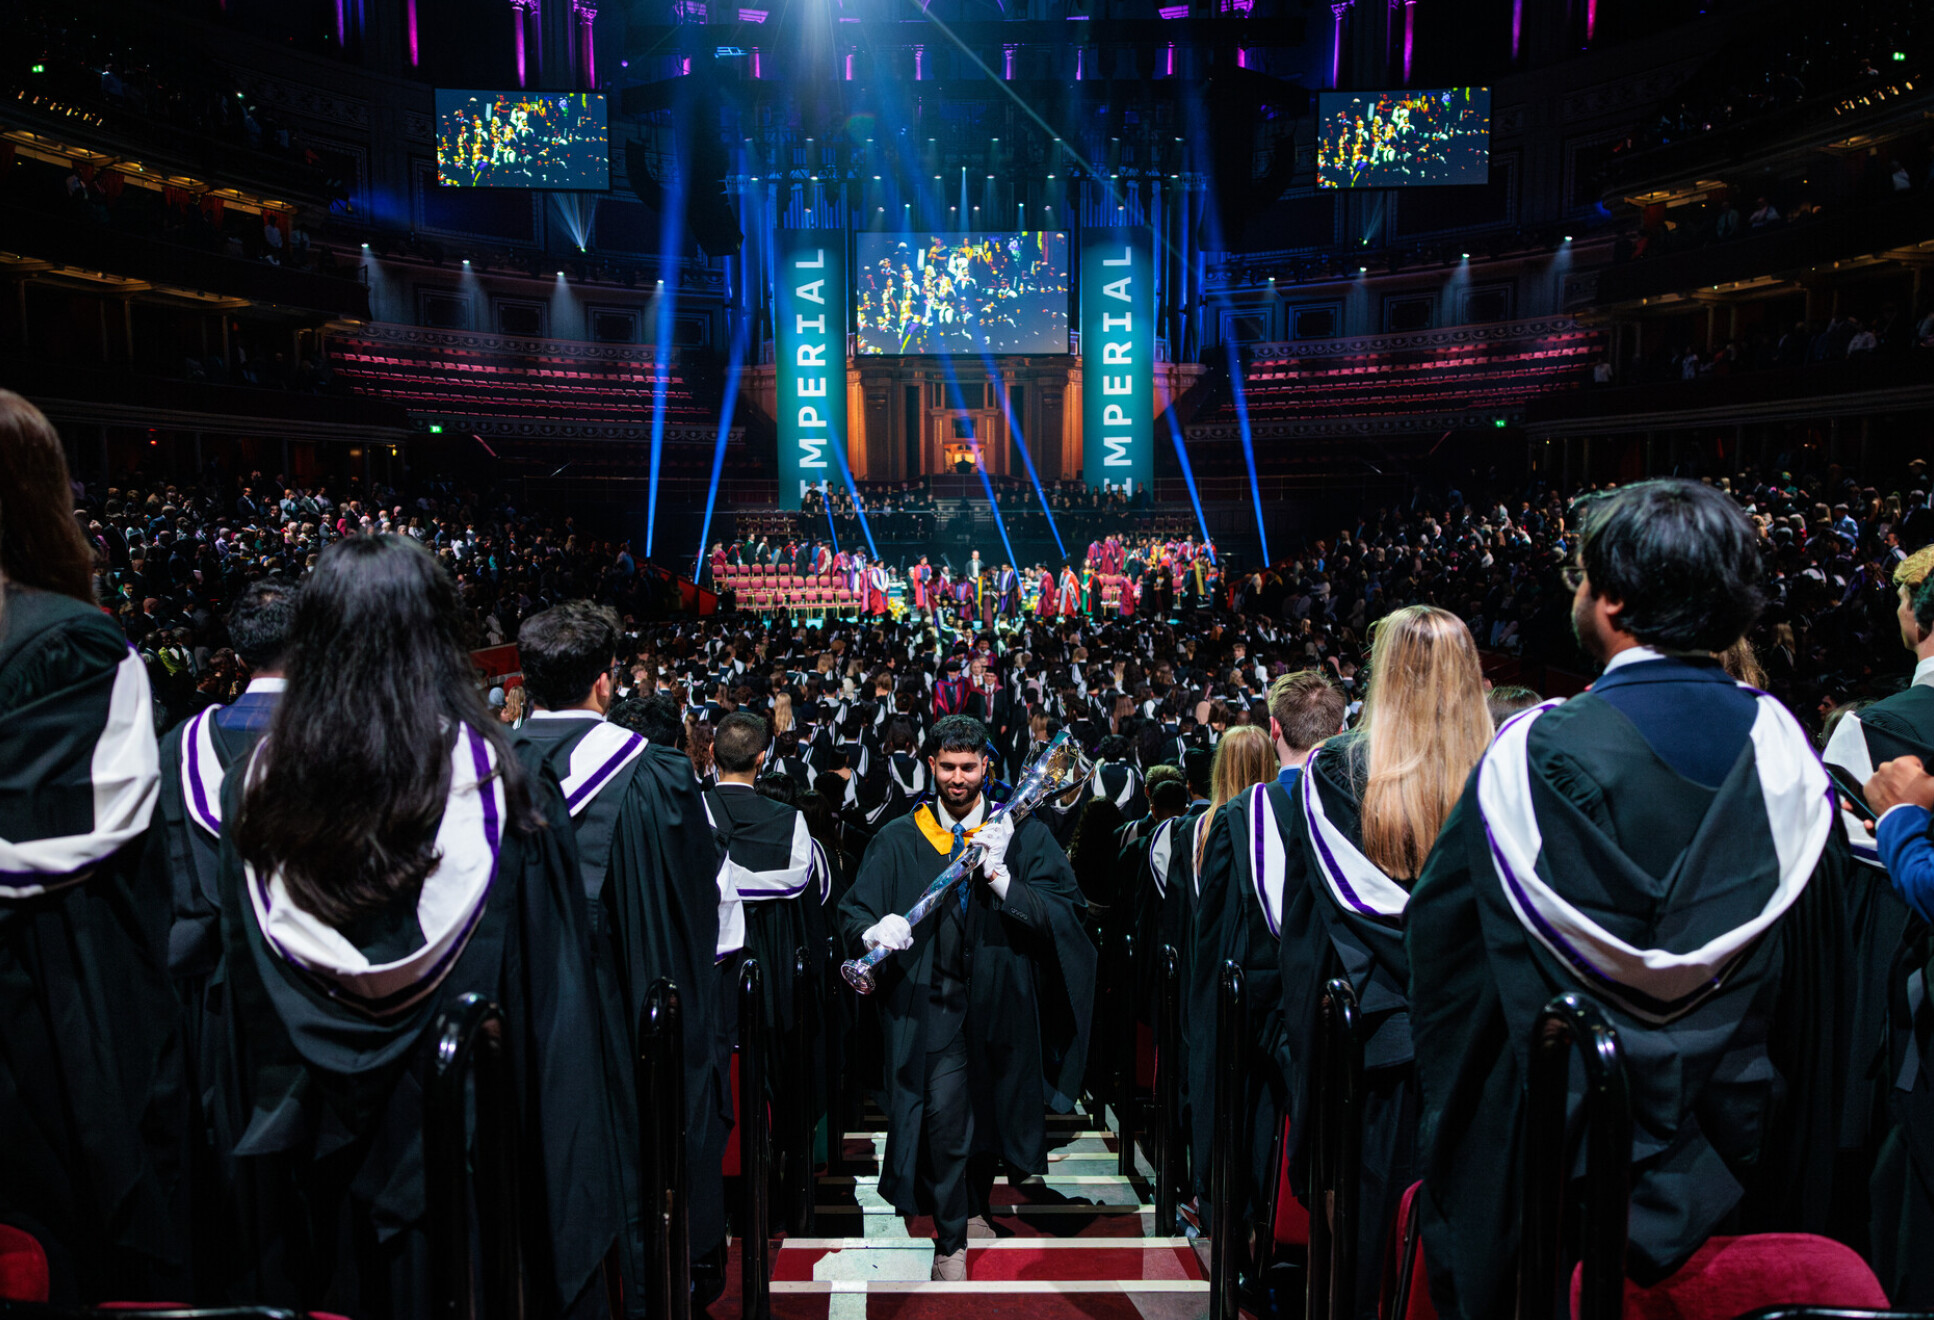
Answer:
[(1027, 460), (733, 367), (1188, 476), (1248, 443), (838, 446)]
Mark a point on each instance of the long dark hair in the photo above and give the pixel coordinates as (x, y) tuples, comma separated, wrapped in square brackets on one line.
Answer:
[(357, 763), (40, 543)]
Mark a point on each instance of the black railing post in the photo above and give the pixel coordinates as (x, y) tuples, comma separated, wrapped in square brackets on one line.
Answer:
[(754, 1141), (661, 1096), (798, 1167), (835, 1042), (1168, 1090), (1543, 1281), (1228, 1155), (1343, 1042), (1128, 1007), (470, 1042)]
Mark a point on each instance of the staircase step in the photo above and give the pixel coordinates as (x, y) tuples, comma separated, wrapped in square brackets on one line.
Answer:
[(1028, 1259)]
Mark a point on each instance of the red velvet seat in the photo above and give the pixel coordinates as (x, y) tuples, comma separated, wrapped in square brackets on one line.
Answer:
[(1292, 1220), (23, 1266), (1731, 1276), (1418, 1304)]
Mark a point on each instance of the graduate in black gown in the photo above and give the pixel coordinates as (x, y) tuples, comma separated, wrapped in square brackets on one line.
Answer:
[(93, 1100), (1362, 817), (973, 1061), (1665, 844), (782, 881), (184, 855), (1223, 926), (1901, 725), (388, 854), (651, 891)]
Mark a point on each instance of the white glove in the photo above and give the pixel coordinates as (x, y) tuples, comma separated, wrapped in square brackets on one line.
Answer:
[(993, 837), (890, 932), (997, 879)]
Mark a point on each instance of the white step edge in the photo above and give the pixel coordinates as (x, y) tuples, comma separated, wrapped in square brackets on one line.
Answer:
[(1007, 1211), (1117, 1287), (997, 1244)]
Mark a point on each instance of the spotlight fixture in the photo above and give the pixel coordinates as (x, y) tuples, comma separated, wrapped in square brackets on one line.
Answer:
[(560, 274), (1466, 256), (365, 247), (1567, 238), (1363, 270), (466, 261)]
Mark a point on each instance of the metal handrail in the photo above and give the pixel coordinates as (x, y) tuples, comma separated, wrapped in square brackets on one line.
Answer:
[(798, 1166), (1571, 1023), (661, 1098), (755, 1283), (470, 1041), (1336, 1154), (1226, 1170), (1168, 1091)]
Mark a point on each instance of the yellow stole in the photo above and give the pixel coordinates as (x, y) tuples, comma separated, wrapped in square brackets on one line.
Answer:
[(942, 838)]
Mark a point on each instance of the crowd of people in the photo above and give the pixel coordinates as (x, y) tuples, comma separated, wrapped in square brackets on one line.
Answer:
[(216, 983)]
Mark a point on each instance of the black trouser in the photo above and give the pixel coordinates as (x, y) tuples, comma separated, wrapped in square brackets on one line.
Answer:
[(960, 1183)]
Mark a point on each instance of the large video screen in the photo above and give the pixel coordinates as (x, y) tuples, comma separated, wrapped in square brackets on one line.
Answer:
[(1403, 139), (523, 140), (961, 293)]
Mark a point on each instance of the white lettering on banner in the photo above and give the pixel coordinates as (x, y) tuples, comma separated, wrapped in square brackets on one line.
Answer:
[(812, 349), (1117, 449)]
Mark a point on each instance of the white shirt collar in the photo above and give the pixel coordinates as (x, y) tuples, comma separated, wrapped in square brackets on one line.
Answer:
[(971, 821), (1924, 673), (281, 684), (566, 715), (1632, 655)]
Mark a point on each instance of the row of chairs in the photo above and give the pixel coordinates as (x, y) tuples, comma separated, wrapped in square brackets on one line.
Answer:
[(1781, 1276), (475, 1200)]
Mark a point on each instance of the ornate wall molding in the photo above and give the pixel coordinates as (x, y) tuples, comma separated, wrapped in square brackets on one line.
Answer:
[(635, 356)]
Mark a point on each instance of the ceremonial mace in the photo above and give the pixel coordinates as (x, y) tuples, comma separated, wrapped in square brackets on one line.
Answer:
[(1058, 769)]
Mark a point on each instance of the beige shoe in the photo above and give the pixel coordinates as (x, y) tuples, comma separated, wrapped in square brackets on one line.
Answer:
[(978, 1227), (950, 1269)]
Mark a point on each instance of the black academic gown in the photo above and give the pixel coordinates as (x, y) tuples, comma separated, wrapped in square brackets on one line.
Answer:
[(183, 856), (1326, 935), (784, 891), (93, 1095), (1232, 924), (1737, 1099), (1030, 998), (330, 1164), (649, 869), (1903, 1181)]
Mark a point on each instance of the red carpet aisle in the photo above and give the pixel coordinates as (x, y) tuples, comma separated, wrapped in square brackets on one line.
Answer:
[(1075, 1244)]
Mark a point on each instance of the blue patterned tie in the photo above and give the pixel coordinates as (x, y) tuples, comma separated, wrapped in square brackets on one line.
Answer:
[(960, 846)]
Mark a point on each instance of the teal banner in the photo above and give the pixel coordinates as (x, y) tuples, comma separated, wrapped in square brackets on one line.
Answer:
[(1118, 357), (809, 354)]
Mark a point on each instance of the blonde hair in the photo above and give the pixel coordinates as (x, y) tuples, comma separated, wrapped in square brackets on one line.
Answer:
[(1913, 570), (1244, 757), (782, 712), (1425, 728)]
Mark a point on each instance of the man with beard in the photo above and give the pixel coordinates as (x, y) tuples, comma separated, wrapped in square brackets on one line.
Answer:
[(985, 1002), (1665, 843)]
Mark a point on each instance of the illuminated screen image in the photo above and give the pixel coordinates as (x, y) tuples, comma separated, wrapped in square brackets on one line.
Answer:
[(961, 293), (523, 140), (1403, 139)]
